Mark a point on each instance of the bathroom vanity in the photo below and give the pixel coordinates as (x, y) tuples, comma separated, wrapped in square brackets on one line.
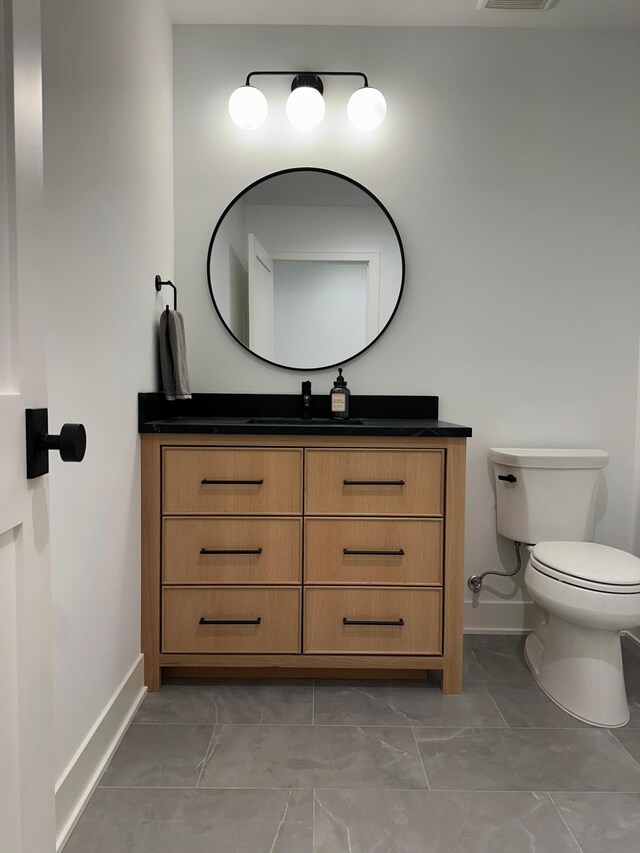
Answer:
[(275, 539), (274, 544)]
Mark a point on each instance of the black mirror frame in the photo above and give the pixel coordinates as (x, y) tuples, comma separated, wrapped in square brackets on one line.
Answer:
[(287, 172)]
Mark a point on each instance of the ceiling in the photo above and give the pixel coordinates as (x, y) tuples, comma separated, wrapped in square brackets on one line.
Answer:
[(403, 13)]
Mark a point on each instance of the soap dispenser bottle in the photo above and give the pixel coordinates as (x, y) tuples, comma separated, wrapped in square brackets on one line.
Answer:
[(339, 398)]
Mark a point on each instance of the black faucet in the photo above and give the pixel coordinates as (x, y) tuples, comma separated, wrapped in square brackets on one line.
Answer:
[(306, 401)]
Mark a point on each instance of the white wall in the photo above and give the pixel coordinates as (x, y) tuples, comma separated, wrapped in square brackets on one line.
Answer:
[(510, 162), (108, 189)]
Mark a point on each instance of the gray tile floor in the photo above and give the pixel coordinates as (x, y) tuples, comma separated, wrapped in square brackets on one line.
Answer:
[(370, 767)]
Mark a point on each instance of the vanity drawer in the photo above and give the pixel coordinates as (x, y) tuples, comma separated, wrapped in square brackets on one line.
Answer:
[(415, 614), (233, 481), (373, 482), (263, 620), (237, 550), (386, 551)]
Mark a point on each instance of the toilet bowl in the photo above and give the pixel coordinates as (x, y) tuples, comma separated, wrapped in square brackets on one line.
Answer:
[(587, 594)]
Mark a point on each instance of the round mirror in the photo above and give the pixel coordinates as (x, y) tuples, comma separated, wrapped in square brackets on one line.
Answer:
[(306, 268)]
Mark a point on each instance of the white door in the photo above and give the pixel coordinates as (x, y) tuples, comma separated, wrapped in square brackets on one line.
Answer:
[(260, 299), (26, 727)]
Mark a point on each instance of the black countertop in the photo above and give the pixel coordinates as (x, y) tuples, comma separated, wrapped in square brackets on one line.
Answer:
[(369, 426), (231, 414)]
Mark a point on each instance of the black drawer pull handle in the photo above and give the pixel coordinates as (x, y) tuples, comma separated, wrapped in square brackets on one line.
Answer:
[(231, 482), (398, 624), (231, 551), (398, 553), (204, 621), (508, 478), (373, 482)]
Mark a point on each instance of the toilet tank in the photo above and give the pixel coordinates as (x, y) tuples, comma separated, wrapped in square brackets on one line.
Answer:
[(546, 494)]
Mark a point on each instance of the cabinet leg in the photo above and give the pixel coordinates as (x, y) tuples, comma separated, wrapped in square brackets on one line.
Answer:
[(451, 679), (151, 676)]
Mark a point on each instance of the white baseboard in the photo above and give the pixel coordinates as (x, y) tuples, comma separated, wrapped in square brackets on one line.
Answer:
[(498, 617), (77, 783)]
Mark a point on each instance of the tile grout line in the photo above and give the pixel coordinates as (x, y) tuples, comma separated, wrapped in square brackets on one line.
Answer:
[(569, 830), (413, 731), (628, 751), (313, 706), (352, 788), (585, 728), (497, 707), (313, 824)]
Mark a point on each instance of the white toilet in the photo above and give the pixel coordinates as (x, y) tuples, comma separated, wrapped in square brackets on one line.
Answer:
[(586, 593)]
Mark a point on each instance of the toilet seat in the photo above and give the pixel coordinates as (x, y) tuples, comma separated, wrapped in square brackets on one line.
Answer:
[(588, 565)]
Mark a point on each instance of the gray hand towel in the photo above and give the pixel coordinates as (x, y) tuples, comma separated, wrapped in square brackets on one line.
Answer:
[(173, 356)]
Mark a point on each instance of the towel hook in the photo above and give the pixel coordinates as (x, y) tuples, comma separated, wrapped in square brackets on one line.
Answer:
[(160, 284)]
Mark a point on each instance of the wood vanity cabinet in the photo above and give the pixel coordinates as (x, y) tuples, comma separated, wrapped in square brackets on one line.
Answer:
[(310, 553)]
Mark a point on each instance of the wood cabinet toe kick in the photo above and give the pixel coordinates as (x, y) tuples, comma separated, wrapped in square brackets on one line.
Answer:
[(302, 555)]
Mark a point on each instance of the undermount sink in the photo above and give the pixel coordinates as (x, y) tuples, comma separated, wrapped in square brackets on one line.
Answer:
[(304, 421)]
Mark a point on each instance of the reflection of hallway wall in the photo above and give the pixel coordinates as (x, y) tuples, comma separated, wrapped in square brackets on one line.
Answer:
[(286, 228), (319, 309)]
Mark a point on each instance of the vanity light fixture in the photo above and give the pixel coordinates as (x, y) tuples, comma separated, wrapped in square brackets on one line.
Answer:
[(305, 105)]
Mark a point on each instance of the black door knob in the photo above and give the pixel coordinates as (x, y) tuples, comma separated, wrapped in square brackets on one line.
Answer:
[(71, 443)]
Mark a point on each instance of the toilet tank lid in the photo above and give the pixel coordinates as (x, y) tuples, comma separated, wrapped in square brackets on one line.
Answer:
[(589, 561), (545, 457)]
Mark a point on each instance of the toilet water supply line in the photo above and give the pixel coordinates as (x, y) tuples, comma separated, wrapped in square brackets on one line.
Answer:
[(475, 581)]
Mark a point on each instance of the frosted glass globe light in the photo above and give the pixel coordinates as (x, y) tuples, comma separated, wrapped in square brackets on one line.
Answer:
[(366, 108), (248, 107), (305, 107)]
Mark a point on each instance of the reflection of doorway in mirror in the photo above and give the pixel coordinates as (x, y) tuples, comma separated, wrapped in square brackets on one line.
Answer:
[(326, 303), (238, 298), (260, 298)]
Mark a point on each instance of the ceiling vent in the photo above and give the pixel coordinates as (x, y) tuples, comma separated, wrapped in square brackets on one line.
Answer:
[(516, 5)]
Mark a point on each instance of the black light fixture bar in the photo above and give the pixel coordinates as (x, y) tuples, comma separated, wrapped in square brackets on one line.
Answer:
[(308, 74)]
